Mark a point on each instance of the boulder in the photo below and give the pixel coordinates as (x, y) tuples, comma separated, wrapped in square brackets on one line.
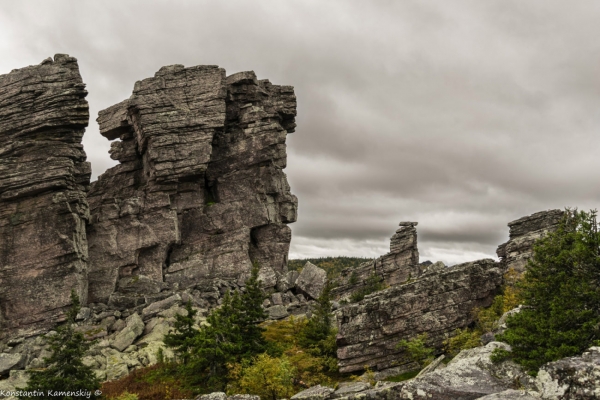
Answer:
[(470, 375), (133, 328), (311, 280), (314, 393), (9, 361), (277, 312), (348, 388), (571, 377), (159, 306)]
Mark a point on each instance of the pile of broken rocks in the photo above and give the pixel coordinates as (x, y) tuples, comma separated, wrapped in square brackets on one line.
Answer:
[(127, 339)]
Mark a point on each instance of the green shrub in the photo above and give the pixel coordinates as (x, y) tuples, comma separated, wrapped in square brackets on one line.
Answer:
[(268, 377), (417, 350), (374, 283)]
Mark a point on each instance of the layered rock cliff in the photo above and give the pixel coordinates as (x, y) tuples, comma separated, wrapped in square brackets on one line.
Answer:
[(44, 177), (200, 191), (523, 234), (397, 266), (437, 303)]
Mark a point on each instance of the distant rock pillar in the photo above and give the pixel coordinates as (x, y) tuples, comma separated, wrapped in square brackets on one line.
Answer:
[(44, 177)]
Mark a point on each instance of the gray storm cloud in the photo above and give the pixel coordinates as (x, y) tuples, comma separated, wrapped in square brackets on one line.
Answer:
[(461, 115)]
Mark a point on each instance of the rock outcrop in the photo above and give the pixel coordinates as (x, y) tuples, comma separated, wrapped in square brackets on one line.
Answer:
[(399, 265), (438, 302), (572, 377), (200, 191), (44, 177), (523, 233)]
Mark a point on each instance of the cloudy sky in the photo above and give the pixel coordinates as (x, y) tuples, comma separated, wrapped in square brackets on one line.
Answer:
[(461, 115)]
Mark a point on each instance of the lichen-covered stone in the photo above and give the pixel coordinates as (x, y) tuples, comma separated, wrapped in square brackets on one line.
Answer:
[(44, 177), (523, 233), (314, 393), (311, 280), (572, 377), (133, 329), (200, 192), (437, 303)]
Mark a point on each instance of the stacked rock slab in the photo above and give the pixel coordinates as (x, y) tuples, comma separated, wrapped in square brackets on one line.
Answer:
[(43, 181), (437, 303), (399, 265), (200, 191), (523, 233)]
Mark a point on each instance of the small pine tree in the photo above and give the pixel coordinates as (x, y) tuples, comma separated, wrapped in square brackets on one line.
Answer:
[(65, 371), (561, 296), (251, 313), (231, 335), (182, 339), (318, 335)]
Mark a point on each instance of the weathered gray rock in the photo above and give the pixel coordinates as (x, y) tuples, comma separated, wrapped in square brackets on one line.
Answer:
[(200, 191), (213, 396), (437, 303), (159, 306), (277, 312), (16, 379), (572, 377), (432, 366), (314, 393), (9, 361), (470, 375), (133, 329), (400, 265), (44, 177), (347, 388), (311, 280), (512, 394), (523, 233)]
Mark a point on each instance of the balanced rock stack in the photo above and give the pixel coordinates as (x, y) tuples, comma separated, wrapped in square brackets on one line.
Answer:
[(43, 180)]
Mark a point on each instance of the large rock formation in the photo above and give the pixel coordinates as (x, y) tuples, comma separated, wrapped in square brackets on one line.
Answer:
[(399, 265), (437, 303), (523, 234), (43, 180), (200, 190)]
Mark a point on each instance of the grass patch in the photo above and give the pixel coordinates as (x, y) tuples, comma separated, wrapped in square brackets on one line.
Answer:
[(404, 376)]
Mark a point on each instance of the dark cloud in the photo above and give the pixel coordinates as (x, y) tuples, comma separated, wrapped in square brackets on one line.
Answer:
[(461, 115)]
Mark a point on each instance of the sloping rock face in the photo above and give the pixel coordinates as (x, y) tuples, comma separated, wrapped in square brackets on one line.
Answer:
[(43, 181), (439, 302), (200, 190), (523, 234), (572, 377), (398, 266)]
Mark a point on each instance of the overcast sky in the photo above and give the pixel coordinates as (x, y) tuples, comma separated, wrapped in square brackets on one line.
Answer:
[(461, 115)]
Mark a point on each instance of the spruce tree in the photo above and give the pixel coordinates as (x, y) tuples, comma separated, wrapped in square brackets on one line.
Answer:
[(318, 335), (232, 334), (251, 314), (182, 339), (561, 296), (65, 371)]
